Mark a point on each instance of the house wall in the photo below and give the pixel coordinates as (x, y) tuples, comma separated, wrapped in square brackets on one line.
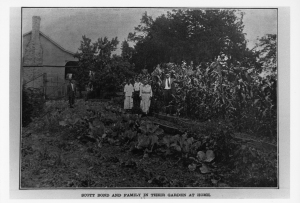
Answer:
[(26, 40), (29, 73), (38, 50), (53, 55)]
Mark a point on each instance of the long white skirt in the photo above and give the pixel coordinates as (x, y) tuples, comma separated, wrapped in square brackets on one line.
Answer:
[(145, 103), (128, 102)]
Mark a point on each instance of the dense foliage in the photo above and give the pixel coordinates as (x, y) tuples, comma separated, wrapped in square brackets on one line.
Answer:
[(190, 35), (237, 94), (267, 54), (32, 104), (109, 71)]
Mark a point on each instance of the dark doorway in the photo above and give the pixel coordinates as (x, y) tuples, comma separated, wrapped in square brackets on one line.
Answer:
[(70, 67)]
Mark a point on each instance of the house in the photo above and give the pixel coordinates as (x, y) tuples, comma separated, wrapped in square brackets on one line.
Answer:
[(45, 63)]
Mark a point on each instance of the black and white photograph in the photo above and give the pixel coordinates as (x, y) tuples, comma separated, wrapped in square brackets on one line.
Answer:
[(149, 98)]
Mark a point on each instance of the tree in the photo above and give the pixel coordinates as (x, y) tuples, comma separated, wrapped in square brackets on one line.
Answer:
[(127, 51), (84, 55), (119, 70), (190, 35), (267, 53), (97, 57)]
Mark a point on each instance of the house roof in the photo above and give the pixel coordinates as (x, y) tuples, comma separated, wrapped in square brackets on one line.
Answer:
[(52, 41)]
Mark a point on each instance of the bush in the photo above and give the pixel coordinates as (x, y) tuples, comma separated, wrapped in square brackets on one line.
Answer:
[(32, 104), (27, 108)]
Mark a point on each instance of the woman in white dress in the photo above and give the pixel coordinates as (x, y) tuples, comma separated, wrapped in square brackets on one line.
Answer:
[(145, 94), (128, 102)]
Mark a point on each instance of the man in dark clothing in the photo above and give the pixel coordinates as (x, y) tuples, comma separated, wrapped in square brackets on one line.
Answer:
[(136, 94), (71, 92), (157, 95)]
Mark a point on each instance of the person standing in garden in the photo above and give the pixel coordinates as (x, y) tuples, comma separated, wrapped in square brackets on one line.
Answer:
[(155, 101), (146, 95), (71, 92), (136, 94), (168, 89), (89, 90), (128, 102)]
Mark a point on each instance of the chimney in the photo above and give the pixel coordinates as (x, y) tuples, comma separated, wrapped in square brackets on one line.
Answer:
[(33, 55), (36, 21)]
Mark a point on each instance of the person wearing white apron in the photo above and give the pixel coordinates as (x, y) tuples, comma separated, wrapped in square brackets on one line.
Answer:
[(128, 102), (145, 94)]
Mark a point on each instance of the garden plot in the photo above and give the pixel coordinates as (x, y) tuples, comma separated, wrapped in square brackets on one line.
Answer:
[(97, 144)]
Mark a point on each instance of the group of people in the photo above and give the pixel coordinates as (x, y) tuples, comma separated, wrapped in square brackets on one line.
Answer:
[(138, 95)]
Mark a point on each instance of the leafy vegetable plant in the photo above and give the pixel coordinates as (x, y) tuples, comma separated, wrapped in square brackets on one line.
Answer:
[(148, 136)]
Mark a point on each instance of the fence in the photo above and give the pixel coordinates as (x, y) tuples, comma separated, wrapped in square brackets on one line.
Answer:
[(51, 86), (55, 86)]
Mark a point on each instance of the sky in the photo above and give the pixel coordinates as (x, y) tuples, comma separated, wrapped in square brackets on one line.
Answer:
[(66, 26)]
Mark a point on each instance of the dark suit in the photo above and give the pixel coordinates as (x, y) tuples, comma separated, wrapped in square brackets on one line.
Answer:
[(168, 93), (71, 92)]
